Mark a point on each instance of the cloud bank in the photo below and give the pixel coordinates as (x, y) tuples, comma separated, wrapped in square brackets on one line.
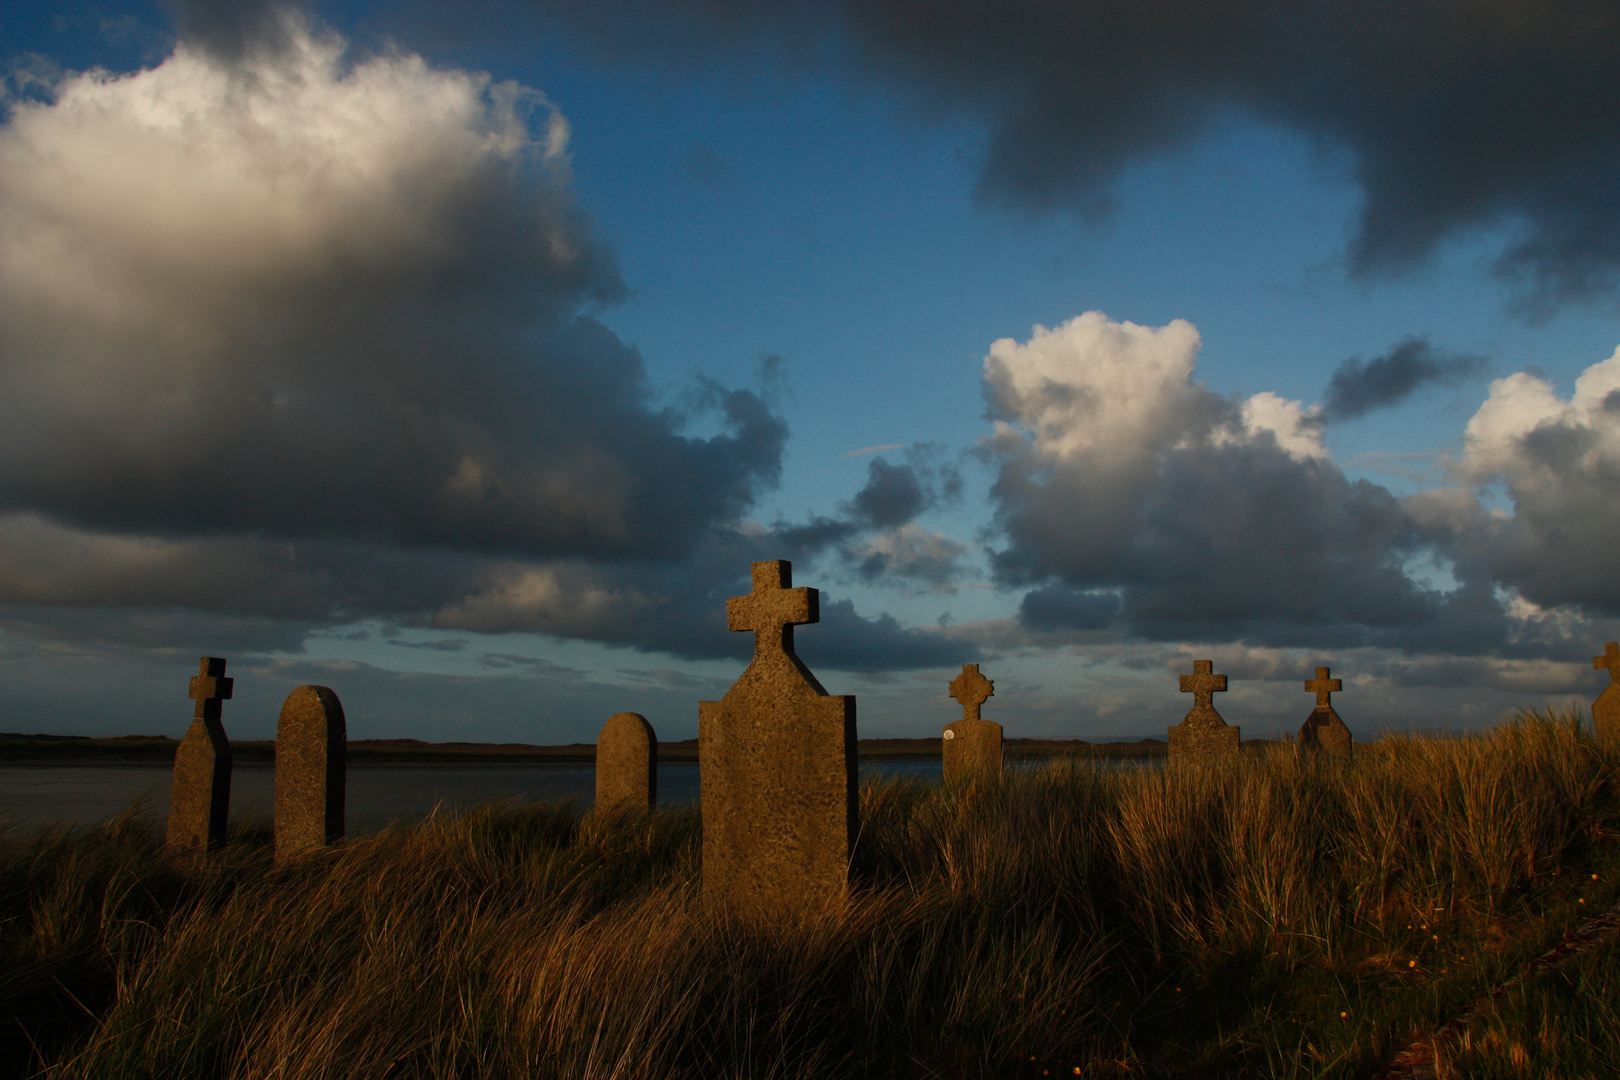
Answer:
[(291, 335), (1136, 502), (1456, 115)]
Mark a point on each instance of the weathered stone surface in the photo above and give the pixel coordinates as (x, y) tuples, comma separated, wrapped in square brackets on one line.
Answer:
[(626, 762), (1606, 709), (1323, 730), (776, 761), (972, 744), (1202, 734), (200, 795), (311, 744)]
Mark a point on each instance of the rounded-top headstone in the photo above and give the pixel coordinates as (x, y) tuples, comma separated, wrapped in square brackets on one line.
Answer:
[(311, 746), (626, 762)]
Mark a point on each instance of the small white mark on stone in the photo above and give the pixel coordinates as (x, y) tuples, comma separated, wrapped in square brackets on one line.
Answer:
[(950, 734)]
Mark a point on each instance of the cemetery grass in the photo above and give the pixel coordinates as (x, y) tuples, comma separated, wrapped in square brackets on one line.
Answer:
[(1274, 916)]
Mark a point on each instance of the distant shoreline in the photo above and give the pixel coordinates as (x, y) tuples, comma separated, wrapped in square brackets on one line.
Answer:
[(21, 749)]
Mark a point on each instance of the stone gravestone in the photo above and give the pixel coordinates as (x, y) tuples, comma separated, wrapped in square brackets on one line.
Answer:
[(311, 744), (200, 796), (1323, 730), (971, 745), (776, 760), (1606, 709), (1202, 733), (626, 762)]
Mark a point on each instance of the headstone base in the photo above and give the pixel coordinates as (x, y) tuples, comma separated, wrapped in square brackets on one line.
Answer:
[(971, 747), (1323, 730)]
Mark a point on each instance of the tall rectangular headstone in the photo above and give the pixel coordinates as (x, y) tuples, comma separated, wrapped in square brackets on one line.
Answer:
[(1323, 730), (1202, 734), (972, 745), (200, 795), (311, 747), (1606, 709), (776, 762), (626, 763)]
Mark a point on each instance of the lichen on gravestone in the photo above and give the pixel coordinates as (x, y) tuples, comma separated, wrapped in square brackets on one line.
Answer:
[(200, 792), (626, 763), (1202, 733), (971, 745), (311, 747), (777, 777)]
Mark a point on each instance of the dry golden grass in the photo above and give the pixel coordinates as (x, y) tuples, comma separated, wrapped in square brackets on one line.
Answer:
[(1275, 916)]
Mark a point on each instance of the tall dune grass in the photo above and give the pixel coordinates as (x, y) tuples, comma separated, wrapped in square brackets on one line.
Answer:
[(1145, 920)]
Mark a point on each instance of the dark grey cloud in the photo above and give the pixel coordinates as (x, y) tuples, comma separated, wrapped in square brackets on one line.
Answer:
[(1557, 461), (1057, 606), (892, 495), (439, 645), (1134, 500), (231, 30), (372, 326), (1357, 388), (1456, 115)]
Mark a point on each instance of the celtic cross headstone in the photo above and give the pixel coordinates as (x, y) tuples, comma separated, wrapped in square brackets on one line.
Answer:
[(971, 745)]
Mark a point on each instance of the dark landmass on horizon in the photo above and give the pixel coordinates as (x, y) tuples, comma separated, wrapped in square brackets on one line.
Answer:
[(22, 749)]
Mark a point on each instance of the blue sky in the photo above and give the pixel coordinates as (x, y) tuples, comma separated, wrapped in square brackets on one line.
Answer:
[(461, 360)]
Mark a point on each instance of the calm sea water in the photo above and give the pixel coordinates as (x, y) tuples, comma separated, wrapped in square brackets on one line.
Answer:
[(33, 795)]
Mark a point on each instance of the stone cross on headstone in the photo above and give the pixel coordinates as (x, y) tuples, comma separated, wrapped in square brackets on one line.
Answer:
[(971, 745), (1606, 709), (776, 760), (1323, 730), (311, 747), (200, 794), (626, 763), (1202, 733)]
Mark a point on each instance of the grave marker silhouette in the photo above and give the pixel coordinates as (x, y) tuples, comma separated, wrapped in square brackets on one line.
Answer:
[(1323, 730), (1606, 709), (1202, 734), (311, 747), (626, 762), (776, 759), (972, 744), (200, 794)]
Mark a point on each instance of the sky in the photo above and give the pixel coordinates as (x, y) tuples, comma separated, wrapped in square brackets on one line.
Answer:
[(461, 358)]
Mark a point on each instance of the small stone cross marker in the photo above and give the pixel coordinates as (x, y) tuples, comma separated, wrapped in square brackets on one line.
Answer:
[(1202, 734), (1323, 687), (1203, 684), (210, 687), (972, 745), (1606, 709), (200, 793), (972, 690), (1323, 730), (1610, 659), (772, 610), (776, 767)]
